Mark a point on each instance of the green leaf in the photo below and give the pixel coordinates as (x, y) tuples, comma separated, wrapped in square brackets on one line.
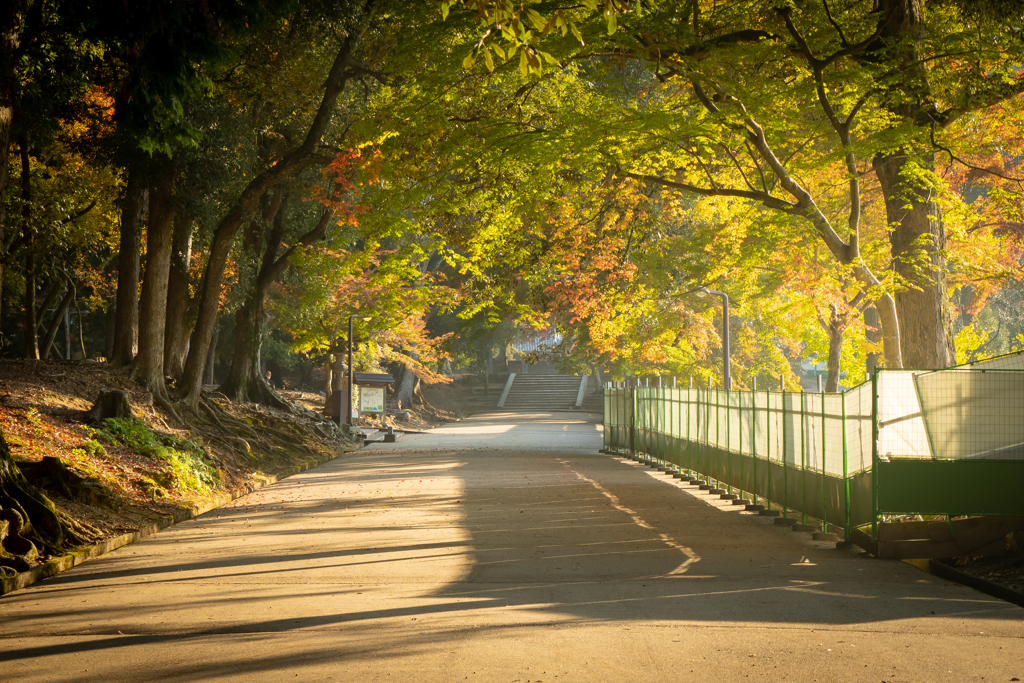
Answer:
[(469, 61), (524, 62), (444, 11), (488, 60), (576, 32), (536, 19)]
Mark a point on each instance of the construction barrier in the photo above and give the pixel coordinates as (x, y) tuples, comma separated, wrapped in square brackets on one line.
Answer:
[(908, 442)]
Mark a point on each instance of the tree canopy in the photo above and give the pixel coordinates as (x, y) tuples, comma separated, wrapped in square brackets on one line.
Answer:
[(462, 169)]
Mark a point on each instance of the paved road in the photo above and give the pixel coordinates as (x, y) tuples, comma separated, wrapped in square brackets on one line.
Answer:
[(500, 548)]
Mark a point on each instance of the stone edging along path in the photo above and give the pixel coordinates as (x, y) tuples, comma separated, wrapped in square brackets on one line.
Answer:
[(73, 559)]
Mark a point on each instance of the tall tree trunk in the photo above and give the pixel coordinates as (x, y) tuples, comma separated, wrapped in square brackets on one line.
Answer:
[(211, 358), (926, 336), (126, 320), (67, 330), (291, 163), (408, 383), (836, 327), (31, 337), (177, 328), (81, 331), (11, 17), (149, 365), (873, 334), (109, 317), (245, 383), (54, 326), (915, 221), (328, 378)]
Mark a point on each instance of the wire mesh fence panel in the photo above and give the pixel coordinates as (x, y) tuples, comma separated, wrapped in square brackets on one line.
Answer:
[(834, 426), (973, 414), (775, 432), (901, 430), (792, 429), (858, 428), (812, 432), (1011, 361)]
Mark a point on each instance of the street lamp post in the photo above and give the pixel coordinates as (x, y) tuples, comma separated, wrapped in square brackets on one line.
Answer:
[(351, 370), (726, 377)]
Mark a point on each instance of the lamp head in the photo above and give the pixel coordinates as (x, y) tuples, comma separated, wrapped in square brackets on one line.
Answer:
[(702, 292)]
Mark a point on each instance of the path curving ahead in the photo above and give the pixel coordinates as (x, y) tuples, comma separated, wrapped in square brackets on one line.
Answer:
[(499, 548)]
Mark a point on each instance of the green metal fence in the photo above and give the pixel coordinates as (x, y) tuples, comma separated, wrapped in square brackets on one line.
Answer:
[(947, 442)]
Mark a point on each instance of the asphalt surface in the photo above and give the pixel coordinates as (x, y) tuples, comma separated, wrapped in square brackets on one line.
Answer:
[(500, 548)]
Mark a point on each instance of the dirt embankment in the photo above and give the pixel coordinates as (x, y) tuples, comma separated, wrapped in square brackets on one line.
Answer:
[(121, 475)]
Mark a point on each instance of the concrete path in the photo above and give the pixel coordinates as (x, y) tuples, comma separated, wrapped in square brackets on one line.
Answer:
[(500, 548)]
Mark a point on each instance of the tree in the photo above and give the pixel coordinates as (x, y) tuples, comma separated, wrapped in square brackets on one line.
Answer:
[(845, 63), (294, 160)]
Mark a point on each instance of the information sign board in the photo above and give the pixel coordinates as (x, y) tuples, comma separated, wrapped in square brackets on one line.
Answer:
[(371, 399)]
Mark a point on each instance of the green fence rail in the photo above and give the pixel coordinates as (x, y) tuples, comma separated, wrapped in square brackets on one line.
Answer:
[(947, 442)]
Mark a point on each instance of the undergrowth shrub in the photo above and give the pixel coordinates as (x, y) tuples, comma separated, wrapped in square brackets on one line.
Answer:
[(185, 468)]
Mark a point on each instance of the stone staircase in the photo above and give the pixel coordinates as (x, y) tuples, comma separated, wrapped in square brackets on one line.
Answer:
[(542, 393)]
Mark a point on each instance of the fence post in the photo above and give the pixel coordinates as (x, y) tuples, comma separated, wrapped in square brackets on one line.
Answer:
[(689, 432), (785, 460), (846, 480), (728, 440), (631, 402), (824, 470), (753, 438), (768, 440), (803, 455), (739, 449), (874, 455)]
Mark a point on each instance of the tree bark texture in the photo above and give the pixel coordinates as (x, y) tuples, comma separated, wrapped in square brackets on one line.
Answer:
[(918, 234), (31, 336), (245, 381), (835, 350), (873, 334), (227, 227), (918, 239), (177, 327), (10, 39), (408, 383), (149, 365), (56, 322), (126, 316), (211, 358)]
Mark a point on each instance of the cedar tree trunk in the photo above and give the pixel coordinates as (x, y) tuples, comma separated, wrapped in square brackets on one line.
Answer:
[(176, 328), (149, 365), (224, 234), (126, 315)]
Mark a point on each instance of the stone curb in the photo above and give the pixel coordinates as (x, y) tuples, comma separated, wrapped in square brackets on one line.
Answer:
[(64, 562), (944, 571)]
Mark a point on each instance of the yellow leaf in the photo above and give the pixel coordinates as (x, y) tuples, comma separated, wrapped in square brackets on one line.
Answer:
[(488, 60), (576, 32), (468, 62), (536, 19)]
